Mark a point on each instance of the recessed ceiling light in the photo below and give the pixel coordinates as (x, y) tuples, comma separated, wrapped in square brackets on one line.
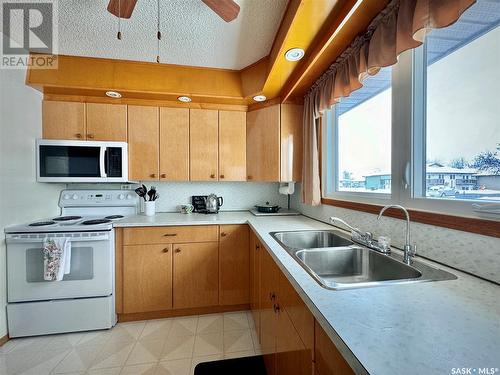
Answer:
[(113, 94), (259, 98), (184, 99), (294, 54)]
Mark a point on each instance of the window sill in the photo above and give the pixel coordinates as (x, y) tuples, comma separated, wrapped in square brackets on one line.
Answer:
[(466, 224)]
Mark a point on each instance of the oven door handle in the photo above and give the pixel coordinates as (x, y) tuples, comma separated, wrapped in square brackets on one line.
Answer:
[(91, 237), (102, 161)]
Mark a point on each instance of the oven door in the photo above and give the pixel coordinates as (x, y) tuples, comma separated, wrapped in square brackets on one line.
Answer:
[(91, 273)]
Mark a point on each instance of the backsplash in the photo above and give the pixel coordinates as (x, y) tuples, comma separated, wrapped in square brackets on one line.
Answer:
[(236, 195), (473, 253)]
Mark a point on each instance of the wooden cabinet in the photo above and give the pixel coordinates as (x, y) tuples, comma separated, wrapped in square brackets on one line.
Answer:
[(106, 122), (234, 264), (255, 250), (143, 147), (204, 144), (232, 146), (174, 234), (263, 139), (329, 361), (147, 278), (274, 143), (196, 275), (174, 144), (63, 120)]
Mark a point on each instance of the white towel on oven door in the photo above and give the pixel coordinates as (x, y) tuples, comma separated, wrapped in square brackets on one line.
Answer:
[(56, 258)]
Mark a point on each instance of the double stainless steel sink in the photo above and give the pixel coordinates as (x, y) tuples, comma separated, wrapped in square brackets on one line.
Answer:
[(337, 263)]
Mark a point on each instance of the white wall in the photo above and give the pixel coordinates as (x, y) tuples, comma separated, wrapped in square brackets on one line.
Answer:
[(473, 253), (21, 198)]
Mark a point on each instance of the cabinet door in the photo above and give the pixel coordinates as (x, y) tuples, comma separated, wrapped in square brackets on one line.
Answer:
[(232, 146), (196, 274), (147, 278), (291, 142), (328, 359), (255, 280), (234, 265), (143, 148), (106, 122), (263, 144), (174, 144), (203, 147), (269, 272), (63, 120)]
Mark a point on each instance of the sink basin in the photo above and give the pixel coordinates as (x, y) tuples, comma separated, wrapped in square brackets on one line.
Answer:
[(311, 239), (335, 262)]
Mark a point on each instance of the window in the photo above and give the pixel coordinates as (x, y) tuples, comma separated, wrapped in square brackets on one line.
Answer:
[(461, 99), (361, 131), (426, 132)]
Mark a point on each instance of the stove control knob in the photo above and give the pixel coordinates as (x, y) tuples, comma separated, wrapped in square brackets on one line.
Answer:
[(75, 197), (66, 196), (129, 196), (121, 196)]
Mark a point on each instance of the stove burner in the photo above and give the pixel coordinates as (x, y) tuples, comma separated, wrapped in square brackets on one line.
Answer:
[(66, 218), (111, 217), (96, 221), (42, 223)]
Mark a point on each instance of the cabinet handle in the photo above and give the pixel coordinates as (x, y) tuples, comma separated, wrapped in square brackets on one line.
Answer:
[(170, 235), (272, 296), (223, 234), (212, 176), (152, 175), (177, 250), (165, 250), (91, 136), (249, 177), (221, 176), (276, 308), (78, 135), (163, 175), (257, 247)]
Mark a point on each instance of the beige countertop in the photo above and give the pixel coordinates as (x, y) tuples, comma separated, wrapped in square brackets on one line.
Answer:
[(420, 328)]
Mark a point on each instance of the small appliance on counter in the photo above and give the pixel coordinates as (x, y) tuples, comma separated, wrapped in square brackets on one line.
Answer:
[(281, 212), (207, 204)]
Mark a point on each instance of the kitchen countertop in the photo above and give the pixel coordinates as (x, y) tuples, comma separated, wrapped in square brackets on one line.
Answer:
[(421, 328)]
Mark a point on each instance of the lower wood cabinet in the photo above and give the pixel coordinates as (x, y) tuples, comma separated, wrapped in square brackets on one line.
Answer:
[(147, 278), (234, 263), (196, 275), (329, 361), (254, 247)]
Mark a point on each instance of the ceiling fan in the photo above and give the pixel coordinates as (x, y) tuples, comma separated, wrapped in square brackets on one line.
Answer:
[(226, 9)]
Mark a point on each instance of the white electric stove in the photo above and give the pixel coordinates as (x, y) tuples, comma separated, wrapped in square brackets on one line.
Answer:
[(84, 299)]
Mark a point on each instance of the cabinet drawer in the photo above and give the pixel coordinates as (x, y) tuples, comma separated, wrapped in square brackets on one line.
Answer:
[(179, 234)]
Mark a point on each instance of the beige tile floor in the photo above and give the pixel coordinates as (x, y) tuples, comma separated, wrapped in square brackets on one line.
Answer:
[(155, 347)]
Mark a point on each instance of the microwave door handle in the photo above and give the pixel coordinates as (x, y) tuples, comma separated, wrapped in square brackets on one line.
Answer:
[(102, 161)]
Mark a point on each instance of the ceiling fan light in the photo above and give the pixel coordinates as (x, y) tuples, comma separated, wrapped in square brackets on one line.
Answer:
[(184, 99), (113, 94), (259, 98), (294, 54)]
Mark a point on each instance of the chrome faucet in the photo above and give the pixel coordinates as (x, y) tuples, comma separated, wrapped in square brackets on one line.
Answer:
[(409, 250), (364, 238)]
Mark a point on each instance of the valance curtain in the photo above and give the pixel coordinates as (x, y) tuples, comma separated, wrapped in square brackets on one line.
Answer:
[(401, 26)]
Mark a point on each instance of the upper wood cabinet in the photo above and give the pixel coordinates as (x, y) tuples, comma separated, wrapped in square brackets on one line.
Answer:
[(147, 278), (232, 146), (234, 264), (196, 274), (143, 145), (204, 144), (106, 122), (274, 143), (263, 140), (63, 120), (174, 144)]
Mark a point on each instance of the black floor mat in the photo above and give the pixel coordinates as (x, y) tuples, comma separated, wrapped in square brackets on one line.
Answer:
[(234, 366)]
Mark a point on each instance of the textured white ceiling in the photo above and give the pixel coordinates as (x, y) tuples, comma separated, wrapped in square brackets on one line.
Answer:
[(192, 34)]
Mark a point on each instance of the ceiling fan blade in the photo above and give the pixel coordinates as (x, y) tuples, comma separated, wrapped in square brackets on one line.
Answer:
[(228, 10), (121, 8)]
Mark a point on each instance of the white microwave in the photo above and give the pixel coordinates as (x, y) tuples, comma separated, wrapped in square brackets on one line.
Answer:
[(81, 161)]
